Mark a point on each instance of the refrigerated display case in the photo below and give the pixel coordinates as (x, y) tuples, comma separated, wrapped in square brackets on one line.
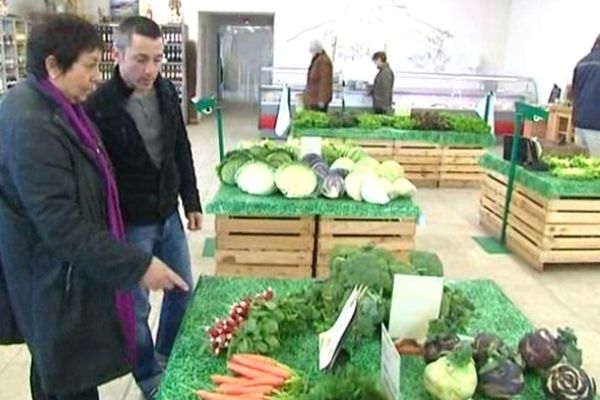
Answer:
[(417, 90)]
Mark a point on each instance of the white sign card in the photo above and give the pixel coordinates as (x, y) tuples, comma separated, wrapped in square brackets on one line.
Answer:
[(330, 341), (416, 300), (391, 362), (310, 145)]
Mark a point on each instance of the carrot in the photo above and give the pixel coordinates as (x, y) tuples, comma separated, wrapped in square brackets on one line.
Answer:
[(266, 368), (271, 381), (220, 379), (262, 359), (204, 395), (247, 372), (248, 389)]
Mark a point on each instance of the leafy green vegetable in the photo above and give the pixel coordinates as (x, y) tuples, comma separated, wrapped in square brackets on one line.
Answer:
[(296, 180), (229, 167), (456, 312), (369, 121), (468, 123), (431, 121), (256, 177), (452, 377), (346, 383), (311, 119), (574, 168)]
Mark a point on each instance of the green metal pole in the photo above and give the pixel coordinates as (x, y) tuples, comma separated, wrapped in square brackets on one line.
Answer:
[(488, 99), (220, 133), (511, 175)]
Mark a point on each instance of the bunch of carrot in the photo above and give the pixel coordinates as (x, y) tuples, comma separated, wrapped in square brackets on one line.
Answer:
[(256, 378)]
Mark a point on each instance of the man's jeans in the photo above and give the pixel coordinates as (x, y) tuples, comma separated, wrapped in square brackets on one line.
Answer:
[(167, 241), (590, 139)]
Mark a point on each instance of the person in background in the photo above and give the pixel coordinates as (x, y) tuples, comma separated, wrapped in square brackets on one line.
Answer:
[(383, 86), (586, 100), (140, 119), (67, 270), (319, 82)]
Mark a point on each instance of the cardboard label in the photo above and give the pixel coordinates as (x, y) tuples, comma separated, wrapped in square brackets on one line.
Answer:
[(415, 301), (391, 363), (330, 342), (310, 145)]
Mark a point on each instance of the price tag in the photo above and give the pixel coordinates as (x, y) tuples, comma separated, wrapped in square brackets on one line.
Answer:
[(391, 362), (310, 145), (416, 300), (330, 342)]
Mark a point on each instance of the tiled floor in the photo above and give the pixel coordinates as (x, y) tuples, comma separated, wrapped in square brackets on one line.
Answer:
[(564, 297)]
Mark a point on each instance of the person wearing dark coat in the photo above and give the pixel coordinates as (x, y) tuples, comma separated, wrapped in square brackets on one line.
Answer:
[(67, 270), (319, 81), (383, 86)]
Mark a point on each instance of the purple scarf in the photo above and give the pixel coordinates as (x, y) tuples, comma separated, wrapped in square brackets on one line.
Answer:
[(85, 131)]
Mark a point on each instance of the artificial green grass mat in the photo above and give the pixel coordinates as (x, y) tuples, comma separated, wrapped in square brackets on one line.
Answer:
[(490, 245)]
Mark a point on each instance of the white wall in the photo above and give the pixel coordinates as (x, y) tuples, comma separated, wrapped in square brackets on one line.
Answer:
[(548, 37)]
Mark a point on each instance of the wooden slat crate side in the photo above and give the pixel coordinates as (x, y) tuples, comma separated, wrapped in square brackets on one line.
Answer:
[(574, 205), (326, 244), (257, 242), (429, 183), (264, 271), (375, 143), (476, 169), (571, 230), (572, 243), (570, 257), (399, 144), (264, 257), (323, 258), (225, 225), (524, 248), (583, 218), (329, 226), (466, 152), (423, 176), (524, 229), (417, 160), (433, 168), (322, 272), (492, 205), (533, 196), (528, 211), (459, 176), (490, 221), (459, 161), (450, 184)]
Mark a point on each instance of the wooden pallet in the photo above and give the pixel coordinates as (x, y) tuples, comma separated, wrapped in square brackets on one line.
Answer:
[(544, 232), (460, 167), (381, 150), (421, 162), (264, 247), (397, 236)]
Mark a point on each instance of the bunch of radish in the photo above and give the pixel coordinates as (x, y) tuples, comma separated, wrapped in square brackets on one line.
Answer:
[(221, 333), (257, 378)]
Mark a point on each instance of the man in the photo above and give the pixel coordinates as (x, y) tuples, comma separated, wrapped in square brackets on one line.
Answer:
[(586, 95), (139, 116), (318, 92), (383, 86)]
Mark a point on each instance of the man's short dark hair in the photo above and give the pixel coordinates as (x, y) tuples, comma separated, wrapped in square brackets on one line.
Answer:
[(135, 25), (380, 55), (63, 36)]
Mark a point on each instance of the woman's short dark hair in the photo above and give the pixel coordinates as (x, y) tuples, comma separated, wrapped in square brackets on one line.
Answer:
[(63, 36), (380, 55)]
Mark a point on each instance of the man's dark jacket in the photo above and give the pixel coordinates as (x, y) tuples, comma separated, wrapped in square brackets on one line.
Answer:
[(586, 90), (148, 194)]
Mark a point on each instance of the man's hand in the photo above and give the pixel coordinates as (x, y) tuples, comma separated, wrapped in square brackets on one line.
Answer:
[(158, 276), (194, 221)]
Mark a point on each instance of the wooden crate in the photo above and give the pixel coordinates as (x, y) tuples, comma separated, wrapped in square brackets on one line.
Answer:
[(421, 161), (381, 150), (264, 247), (397, 236), (460, 167), (544, 232)]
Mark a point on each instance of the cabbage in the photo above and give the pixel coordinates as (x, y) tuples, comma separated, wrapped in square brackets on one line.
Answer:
[(374, 190), (296, 180), (452, 377), (333, 186), (401, 187), (367, 164), (344, 163), (390, 170), (354, 183), (256, 177), (229, 167)]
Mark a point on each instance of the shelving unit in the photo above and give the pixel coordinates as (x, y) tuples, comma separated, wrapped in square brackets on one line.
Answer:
[(13, 42), (173, 67)]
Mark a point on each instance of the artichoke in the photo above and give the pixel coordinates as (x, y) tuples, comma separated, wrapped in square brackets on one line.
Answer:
[(500, 378), (540, 350), (566, 382), (439, 346), (567, 343), (484, 345)]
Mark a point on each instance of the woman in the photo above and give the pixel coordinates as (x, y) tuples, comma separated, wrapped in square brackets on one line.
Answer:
[(319, 80), (66, 267), (383, 86)]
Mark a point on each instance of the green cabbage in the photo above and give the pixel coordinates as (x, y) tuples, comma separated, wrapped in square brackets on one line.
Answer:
[(229, 167), (296, 180), (343, 163), (374, 190), (390, 170), (401, 187), (354, 183), (256, 177)]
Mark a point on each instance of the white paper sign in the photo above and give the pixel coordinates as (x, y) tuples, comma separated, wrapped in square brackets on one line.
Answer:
[(310, 145), (330, 341), (390, 366), (415, 301), (402, 110)]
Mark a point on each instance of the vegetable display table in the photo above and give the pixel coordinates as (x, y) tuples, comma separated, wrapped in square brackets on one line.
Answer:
[(551, 222), (191, 362), (430, 158), (271, 236)]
